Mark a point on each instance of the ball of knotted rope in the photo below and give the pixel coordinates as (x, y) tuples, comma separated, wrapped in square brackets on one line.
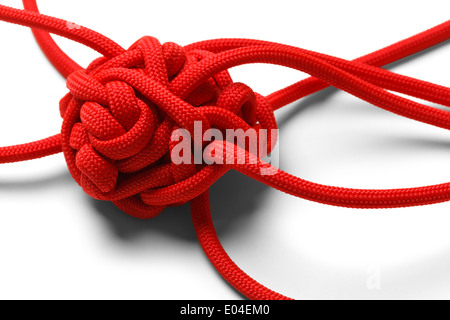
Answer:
[(120, 116)]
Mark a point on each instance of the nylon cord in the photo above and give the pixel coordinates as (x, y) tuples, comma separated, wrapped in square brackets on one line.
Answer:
[(121, 111)]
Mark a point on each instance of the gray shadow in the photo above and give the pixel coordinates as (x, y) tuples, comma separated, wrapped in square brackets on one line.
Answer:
[(316, 100), (234, 200), (52, 181), (416, 143), (418, 55)]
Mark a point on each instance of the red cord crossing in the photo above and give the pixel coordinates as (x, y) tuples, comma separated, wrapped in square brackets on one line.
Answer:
[(120, 112)]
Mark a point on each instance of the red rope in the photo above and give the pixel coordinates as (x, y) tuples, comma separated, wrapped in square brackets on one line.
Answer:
[(120, 112)]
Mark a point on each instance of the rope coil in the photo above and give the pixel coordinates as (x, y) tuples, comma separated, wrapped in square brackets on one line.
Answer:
[(122, 110)]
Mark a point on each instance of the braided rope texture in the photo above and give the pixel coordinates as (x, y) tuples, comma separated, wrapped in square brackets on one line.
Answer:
[(122, 110)]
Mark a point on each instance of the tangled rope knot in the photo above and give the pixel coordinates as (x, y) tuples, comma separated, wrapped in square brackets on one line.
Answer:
[(120, 115)]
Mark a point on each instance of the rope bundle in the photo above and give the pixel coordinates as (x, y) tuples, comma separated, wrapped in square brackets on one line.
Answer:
[(122, 110), (117, 143)]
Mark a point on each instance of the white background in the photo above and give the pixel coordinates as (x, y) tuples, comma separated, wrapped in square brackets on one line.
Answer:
[(56, 242)]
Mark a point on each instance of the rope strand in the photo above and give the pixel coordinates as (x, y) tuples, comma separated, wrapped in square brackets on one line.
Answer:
[(122, 110)]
